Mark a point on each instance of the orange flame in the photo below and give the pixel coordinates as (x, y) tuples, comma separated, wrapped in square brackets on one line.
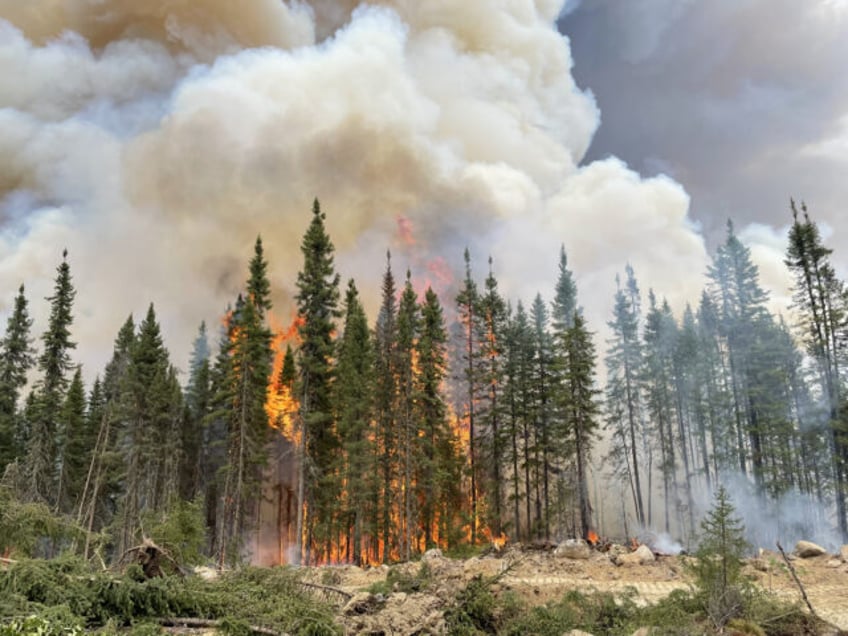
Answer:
[(281, 405), (592, 538)]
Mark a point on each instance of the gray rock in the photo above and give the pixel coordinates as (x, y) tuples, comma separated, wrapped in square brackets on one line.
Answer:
[(640, 556), (808, 549), (573, 549)]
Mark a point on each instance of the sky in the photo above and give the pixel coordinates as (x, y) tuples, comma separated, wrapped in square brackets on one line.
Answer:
[(743, 102), (156, 140)]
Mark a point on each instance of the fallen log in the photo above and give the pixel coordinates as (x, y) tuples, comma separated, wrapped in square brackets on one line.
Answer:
[(208, 623)]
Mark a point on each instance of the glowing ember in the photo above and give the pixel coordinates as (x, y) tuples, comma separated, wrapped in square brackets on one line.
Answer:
[(592, 538)]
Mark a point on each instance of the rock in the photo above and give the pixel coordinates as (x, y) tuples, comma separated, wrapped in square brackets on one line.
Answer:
[(642, 631), (206, 573), (432, 553), (573, 549), (761, 565), (640, 556), (807, 549), (834, 563), (843, 553), (482, 566), (577, 632)]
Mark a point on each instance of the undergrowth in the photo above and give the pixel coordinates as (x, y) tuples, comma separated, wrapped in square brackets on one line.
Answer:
[(64, 596)]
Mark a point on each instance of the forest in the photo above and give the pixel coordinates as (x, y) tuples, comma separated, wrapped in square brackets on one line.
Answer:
[(445, 422)]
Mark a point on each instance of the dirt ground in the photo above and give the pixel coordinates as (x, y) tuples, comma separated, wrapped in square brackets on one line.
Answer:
[(539, 576)]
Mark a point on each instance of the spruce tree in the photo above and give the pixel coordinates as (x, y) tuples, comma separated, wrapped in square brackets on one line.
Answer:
[(407, 400), (16, 358), (79, 443), (148, 438), (624, 401), (353, 399), (467, 302), (492, 325), (54, 364), (440, 466), (317, 301), (821, 301), (387, 439), (543, 386), (580, 408), (248, 427)]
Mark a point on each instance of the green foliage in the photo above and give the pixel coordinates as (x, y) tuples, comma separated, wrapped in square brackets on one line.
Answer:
[(26, 526), (64, 594), (718, 566), (474, 611), (181, 530)]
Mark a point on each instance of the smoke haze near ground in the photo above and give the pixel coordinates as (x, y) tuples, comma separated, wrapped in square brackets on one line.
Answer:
[(155, 141)]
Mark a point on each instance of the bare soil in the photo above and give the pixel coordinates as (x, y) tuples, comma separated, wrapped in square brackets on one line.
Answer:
[(539, 576)]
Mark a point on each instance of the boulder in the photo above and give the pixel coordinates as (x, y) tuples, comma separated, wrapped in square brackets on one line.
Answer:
[(577, 632), (642, 631), (843, 553), (573, 549), (432, 553), (640, 556), (808, 549)]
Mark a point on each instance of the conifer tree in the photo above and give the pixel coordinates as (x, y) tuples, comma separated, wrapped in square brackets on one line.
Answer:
[(467, 309), (822, 302), (317, 301), (560, 452), (198, 408), (146, 411), (386, 369), (492, 324), (53, 364), (580, 408), (80, 439), (248, 430), (408, 443), (624, 368), (101, 489), (353, 398), (440, 466), (542, 380), (16, 358)]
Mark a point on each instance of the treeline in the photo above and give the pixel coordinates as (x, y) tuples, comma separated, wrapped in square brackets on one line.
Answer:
[(729, 390), (387, 466), (420, 431)]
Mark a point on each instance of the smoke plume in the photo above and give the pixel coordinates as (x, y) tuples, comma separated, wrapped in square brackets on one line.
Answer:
[(155, 140)]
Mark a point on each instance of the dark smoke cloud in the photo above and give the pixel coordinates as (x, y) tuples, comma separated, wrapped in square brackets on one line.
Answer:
[(744, 102)]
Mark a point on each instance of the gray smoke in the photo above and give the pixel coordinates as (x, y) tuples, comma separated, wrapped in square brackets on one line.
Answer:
[(155, 141)]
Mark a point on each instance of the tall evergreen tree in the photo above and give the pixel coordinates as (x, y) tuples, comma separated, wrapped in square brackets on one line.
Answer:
[(440, 466), (353, 399), (467, 309), (409, 442), (821, 300), (580, 408), (317, 301), (624, 368), (54, 365), (80, 439), (16, 358), (492, 325)]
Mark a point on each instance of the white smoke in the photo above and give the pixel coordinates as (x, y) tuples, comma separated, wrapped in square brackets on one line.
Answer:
[(155, 141)]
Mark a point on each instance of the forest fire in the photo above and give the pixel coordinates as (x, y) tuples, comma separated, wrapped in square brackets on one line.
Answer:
[(281, 405), (592, 538)]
